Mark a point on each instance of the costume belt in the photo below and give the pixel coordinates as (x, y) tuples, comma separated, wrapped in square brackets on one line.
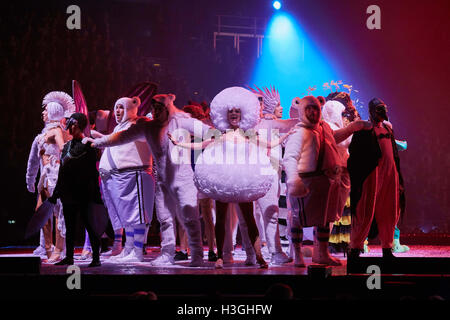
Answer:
[(106, 174)]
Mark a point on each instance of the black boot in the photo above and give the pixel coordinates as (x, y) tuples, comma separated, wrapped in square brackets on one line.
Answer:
[(212, 256), (95, 262), (353, 254), (387, 254)]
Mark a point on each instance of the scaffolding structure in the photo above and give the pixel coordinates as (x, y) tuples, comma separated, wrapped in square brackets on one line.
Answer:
[(238, 27)]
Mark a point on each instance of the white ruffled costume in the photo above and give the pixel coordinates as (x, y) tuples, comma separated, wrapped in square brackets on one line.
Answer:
[(176, 193), (59, 105), (128, 184), (237, 170)]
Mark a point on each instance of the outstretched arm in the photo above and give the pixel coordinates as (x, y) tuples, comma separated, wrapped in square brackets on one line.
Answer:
[(134, 132), (191, 145), (274, 142), (342, 134)]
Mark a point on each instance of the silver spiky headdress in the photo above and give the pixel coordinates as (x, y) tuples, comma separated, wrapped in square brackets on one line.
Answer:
[(61, 98), (271, 98)]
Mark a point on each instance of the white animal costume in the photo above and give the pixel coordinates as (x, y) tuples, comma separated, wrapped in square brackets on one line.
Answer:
[(128, 184), (44, 157), (313, 168), (175, 190)]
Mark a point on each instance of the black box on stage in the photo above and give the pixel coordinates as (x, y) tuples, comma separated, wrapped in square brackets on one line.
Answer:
[(20, 265)]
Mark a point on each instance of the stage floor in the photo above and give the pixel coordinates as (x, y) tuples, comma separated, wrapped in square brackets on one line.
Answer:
[(237, 267), (235, 282)]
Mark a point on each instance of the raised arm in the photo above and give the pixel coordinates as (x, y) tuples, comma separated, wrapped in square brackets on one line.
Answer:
[(32, 166), (342, 134)]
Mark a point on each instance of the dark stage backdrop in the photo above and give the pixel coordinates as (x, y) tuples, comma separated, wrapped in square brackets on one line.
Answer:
[(120, 43)]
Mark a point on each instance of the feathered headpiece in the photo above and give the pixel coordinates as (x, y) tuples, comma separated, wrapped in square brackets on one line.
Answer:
[(62, 104), (271, 98)]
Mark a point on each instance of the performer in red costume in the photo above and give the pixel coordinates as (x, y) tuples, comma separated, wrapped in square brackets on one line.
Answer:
[(376, 181)]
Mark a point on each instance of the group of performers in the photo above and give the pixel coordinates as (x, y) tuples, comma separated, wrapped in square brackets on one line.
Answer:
[(330, 160)]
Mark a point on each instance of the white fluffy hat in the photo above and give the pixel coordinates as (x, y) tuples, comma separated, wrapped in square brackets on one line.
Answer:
[(59, 105), (235, 97)]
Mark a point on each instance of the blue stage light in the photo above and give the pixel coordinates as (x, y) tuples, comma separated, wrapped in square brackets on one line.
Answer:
[(277, 5), (291, 62)]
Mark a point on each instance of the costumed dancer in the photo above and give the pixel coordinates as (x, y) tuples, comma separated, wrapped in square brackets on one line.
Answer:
[(273, 127), (45, 157), (77, 187), (313, 168), (376, 182), (175, 190), (336, 115), (206, 205), (127, 183), (234, 167)]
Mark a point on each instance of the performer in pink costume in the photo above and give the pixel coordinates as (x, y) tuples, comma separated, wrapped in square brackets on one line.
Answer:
[(175, 190), (45, 157)]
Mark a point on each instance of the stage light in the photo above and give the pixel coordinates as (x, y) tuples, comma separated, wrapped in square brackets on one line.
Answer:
[(277, 5), (291, 61)]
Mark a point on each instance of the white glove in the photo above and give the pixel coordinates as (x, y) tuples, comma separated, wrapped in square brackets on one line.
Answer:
[(88, 139), (297, 188)]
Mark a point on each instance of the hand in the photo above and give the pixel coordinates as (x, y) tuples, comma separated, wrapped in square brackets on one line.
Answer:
[(31, 188), (361, 125), (297, 188), (172, 139), (87, 140)]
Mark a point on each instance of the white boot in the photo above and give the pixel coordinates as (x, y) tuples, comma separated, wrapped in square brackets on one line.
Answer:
[(135, 255), (163, 259), (125, 252)]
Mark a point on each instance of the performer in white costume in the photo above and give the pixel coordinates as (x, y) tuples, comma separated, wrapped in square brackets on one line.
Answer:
[(234, 168), (128, 185), (176, 193), (313, 169), (45, 157)]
